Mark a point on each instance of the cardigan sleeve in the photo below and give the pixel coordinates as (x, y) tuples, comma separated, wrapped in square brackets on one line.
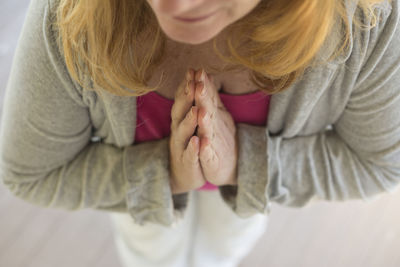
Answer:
[(358, 158), (47, 156)]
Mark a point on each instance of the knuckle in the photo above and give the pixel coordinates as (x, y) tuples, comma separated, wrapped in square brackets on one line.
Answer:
[(181, 133), (181, 87), (178, 132), (174, 118), (191, 160), (174, 126), (174, 144), (174, 108), (181, 128), (188, 118)]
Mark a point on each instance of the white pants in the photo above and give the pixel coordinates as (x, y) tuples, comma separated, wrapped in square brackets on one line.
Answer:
[(209, 235)]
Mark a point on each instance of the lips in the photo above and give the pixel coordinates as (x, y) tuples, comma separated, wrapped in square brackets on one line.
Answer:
[(194, 19)]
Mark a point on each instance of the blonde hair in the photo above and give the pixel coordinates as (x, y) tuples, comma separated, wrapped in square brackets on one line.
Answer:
[(277, 41)]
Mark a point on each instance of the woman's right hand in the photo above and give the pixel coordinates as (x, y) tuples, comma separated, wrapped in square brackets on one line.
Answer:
[(185, 169)]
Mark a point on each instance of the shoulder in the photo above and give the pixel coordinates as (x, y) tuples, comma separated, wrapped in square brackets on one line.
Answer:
[(362, 39), (366, 41), (44, 10), (41, 42)]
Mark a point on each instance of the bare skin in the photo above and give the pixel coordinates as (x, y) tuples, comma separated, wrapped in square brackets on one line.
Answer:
[(211, 155), (217, 133), (185, 170)]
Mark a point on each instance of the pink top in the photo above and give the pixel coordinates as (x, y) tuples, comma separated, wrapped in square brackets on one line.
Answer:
[(154, 115)]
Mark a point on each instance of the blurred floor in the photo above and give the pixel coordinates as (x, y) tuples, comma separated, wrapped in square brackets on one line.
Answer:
[(351, 234)]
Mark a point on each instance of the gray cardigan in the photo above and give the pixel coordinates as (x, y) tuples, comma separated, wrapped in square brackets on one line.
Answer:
[(333, 135)]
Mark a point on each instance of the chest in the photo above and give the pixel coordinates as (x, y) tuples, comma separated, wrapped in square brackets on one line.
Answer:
[(312, 103), (171, 72)]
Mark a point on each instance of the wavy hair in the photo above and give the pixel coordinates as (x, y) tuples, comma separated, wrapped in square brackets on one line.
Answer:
[(277, 41)]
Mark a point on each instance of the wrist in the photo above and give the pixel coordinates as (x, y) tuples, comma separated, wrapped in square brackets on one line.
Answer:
[(233, 180), (230, 180)]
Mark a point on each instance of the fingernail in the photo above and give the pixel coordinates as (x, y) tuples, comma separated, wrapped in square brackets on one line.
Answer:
[(187, 87), (203, 91), (203, 75)]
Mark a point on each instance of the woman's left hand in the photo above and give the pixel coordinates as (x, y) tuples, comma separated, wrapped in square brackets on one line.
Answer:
[(217, 133)]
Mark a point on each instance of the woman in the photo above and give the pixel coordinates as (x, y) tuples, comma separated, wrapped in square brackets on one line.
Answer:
[(157, 111)]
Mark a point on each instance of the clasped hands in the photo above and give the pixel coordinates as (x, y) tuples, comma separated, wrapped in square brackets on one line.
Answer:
[(203, 142)]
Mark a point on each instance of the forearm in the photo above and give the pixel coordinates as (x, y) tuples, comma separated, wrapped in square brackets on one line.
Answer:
[(292, 171)]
